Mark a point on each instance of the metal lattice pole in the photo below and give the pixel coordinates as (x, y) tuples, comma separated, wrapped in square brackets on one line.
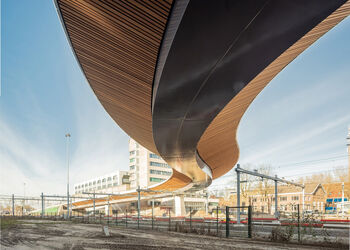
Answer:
[(238, 195), (13, 205), (67, 136), (217, 220)]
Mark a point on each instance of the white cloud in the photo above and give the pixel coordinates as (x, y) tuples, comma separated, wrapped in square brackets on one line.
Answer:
[(27, 162)]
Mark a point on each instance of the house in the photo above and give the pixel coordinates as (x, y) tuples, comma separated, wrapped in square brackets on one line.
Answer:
[(334, 195), (289, 197)]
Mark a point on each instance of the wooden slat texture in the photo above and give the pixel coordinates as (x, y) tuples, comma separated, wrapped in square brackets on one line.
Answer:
[(176, 181), (218, 146), (117, 44)]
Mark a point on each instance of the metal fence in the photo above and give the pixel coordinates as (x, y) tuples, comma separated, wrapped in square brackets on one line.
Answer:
[(222, 224)]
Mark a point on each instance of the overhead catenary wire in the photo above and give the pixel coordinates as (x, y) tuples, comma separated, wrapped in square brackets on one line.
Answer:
[(258, 179)]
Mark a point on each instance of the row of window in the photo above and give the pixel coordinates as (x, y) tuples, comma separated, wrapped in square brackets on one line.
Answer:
[(151, 155), (156, 179), (160, 172), (159, 164), (93, 183), (83, 189), (282, 198)]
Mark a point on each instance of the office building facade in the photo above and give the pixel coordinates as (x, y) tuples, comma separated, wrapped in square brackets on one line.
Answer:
[(146, 168), (109, 182)]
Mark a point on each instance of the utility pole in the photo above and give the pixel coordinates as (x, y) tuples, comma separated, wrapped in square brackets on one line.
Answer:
[(152, 212), (13, 205), (138, 206), (255, 173), (67, 155), (303, 200), (238, 194), (24, 197), (42, 205), (342, 199), (276, 198), (94, 205), (207, 203), (108, 211)]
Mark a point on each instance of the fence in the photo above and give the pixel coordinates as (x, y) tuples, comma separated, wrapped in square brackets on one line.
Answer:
[(239, 221), (222, 223), (217, 225)]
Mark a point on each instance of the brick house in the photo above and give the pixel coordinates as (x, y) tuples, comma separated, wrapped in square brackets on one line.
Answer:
[(288, 199)]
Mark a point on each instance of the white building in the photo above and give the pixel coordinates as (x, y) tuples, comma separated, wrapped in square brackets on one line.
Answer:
[(114, 181), (146, 168)]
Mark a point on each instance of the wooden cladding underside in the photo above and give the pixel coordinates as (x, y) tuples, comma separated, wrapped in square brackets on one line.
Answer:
[(176, 181), (116, 44), (218, 146)]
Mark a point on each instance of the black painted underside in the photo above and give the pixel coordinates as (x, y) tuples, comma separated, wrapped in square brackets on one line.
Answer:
[(219, 47)]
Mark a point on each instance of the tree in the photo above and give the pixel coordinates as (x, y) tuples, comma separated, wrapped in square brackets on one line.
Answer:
[(264, 186)]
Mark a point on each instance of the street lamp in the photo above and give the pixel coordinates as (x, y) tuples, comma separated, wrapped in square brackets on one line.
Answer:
[(67, 156), (24, 198)]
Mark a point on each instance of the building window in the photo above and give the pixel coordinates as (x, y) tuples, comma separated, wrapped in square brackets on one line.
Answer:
[(114, 177), (295, 198), (156, 179), (99, 181), (132, 159), (132, 152), (110, 184), (115, 184), (151, 155), (160, 172), (109, 179), (158, 164), (104, 180), (132, 167), (283, 198), (90, 183)]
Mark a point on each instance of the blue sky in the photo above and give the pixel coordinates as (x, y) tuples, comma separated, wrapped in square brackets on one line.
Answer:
[(302, 115)]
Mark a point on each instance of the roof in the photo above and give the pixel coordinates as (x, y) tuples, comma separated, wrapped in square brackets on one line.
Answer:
[(310, 188), (334, 190)]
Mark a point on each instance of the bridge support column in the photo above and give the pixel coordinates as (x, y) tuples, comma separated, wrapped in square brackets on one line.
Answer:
[(179, 205)]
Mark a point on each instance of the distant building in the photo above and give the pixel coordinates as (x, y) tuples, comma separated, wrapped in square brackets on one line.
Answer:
[(146, 168), (112, 182), (334, 195), (289, 197)]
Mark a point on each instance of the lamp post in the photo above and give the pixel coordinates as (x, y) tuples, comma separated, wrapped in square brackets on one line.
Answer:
[(67, 156), (24, 199)]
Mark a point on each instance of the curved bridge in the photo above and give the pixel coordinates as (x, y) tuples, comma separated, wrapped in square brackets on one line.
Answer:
[(177, 76)]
